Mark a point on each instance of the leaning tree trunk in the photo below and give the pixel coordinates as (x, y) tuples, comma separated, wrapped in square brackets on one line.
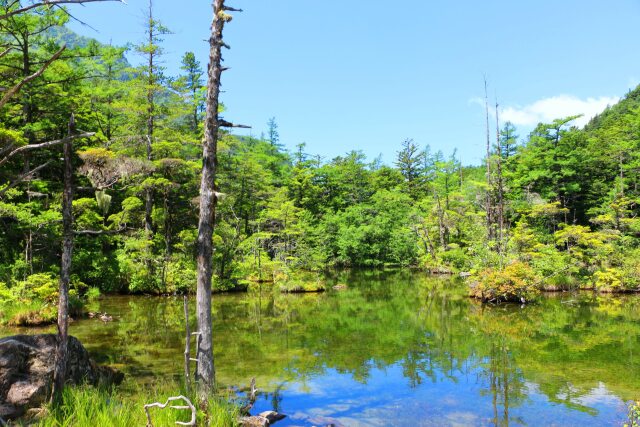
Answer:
[(65, 273), (205, 373)]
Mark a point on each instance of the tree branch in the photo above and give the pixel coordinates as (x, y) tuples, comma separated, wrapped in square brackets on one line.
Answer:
[(99, 232), (11, 92), (6, 51), (22, 177), (49, 3), (225, 124), (47, 144)]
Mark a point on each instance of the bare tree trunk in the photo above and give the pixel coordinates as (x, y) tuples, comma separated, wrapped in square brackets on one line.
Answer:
[(441, 225), (151, 81), (500, 184), (205, 375), (65, 270), (489, 207)]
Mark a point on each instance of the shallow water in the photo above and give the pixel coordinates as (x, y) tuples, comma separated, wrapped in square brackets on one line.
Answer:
[(395, 348)]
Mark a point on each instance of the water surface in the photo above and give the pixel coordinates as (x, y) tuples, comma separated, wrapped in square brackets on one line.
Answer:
[(396, 348)]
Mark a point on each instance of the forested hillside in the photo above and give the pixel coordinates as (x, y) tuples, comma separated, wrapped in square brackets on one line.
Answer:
[(558, 210)]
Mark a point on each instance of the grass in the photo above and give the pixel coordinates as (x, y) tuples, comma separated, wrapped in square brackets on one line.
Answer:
[(35, 313), (87, 406)]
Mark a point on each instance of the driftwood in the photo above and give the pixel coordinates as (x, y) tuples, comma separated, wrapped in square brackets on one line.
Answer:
[(189, 406), (251, 398)]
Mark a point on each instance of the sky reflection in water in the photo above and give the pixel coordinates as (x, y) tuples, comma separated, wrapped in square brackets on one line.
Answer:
[(396, 348)]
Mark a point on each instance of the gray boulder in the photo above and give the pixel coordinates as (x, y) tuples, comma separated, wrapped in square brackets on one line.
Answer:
[(26, 371)]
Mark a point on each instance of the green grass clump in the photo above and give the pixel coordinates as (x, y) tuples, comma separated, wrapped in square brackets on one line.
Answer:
[(34, 313), (87, 406)]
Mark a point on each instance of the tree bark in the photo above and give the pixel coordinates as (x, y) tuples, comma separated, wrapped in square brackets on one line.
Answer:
[(205, 375), (65, 269)]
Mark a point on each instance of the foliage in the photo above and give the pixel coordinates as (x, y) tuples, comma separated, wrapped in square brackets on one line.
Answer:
[(570, 197), (634, 415), (517, 282)]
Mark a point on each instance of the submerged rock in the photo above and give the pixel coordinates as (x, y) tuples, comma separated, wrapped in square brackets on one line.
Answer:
[(272, 416), (26, 371)]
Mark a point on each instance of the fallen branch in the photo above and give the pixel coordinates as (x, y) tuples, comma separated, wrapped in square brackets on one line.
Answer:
[(163, 406)]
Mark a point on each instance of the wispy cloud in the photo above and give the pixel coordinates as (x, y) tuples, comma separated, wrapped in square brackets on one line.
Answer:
[(548, 109)]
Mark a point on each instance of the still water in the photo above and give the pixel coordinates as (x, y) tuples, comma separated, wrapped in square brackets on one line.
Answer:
[(396, 349)]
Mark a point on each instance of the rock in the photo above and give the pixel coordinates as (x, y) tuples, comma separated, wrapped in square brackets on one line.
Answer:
[(340, 287), (26, 371), (272, 416), (254, 421), (9, 412), (465, 274)]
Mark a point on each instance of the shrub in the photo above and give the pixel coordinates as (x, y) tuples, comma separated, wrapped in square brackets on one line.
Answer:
[(608, 280), (516, 283), (634, 415)]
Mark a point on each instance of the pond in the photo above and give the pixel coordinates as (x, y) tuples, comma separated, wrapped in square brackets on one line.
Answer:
[(395, 348)]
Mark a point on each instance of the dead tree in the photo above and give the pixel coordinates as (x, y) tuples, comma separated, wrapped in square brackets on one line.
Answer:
[(151, 107), (488, 198), (205, 373), (500, 186), (65, 269)]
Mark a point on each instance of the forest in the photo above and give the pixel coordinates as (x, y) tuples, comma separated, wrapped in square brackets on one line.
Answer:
[(553, 210)]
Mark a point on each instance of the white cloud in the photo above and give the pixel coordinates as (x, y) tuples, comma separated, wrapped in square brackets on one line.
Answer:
[(548, 109)]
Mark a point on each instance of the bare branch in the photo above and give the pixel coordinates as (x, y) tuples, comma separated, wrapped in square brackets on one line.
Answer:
[(225, 124), (231, 9), (22, 177), (5, 52), (47, 144), (100, 232), (49, 4), (11, 92), (163, 406), (76, 19)]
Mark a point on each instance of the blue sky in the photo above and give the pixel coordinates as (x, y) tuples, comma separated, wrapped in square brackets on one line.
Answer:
[(367, 74)]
